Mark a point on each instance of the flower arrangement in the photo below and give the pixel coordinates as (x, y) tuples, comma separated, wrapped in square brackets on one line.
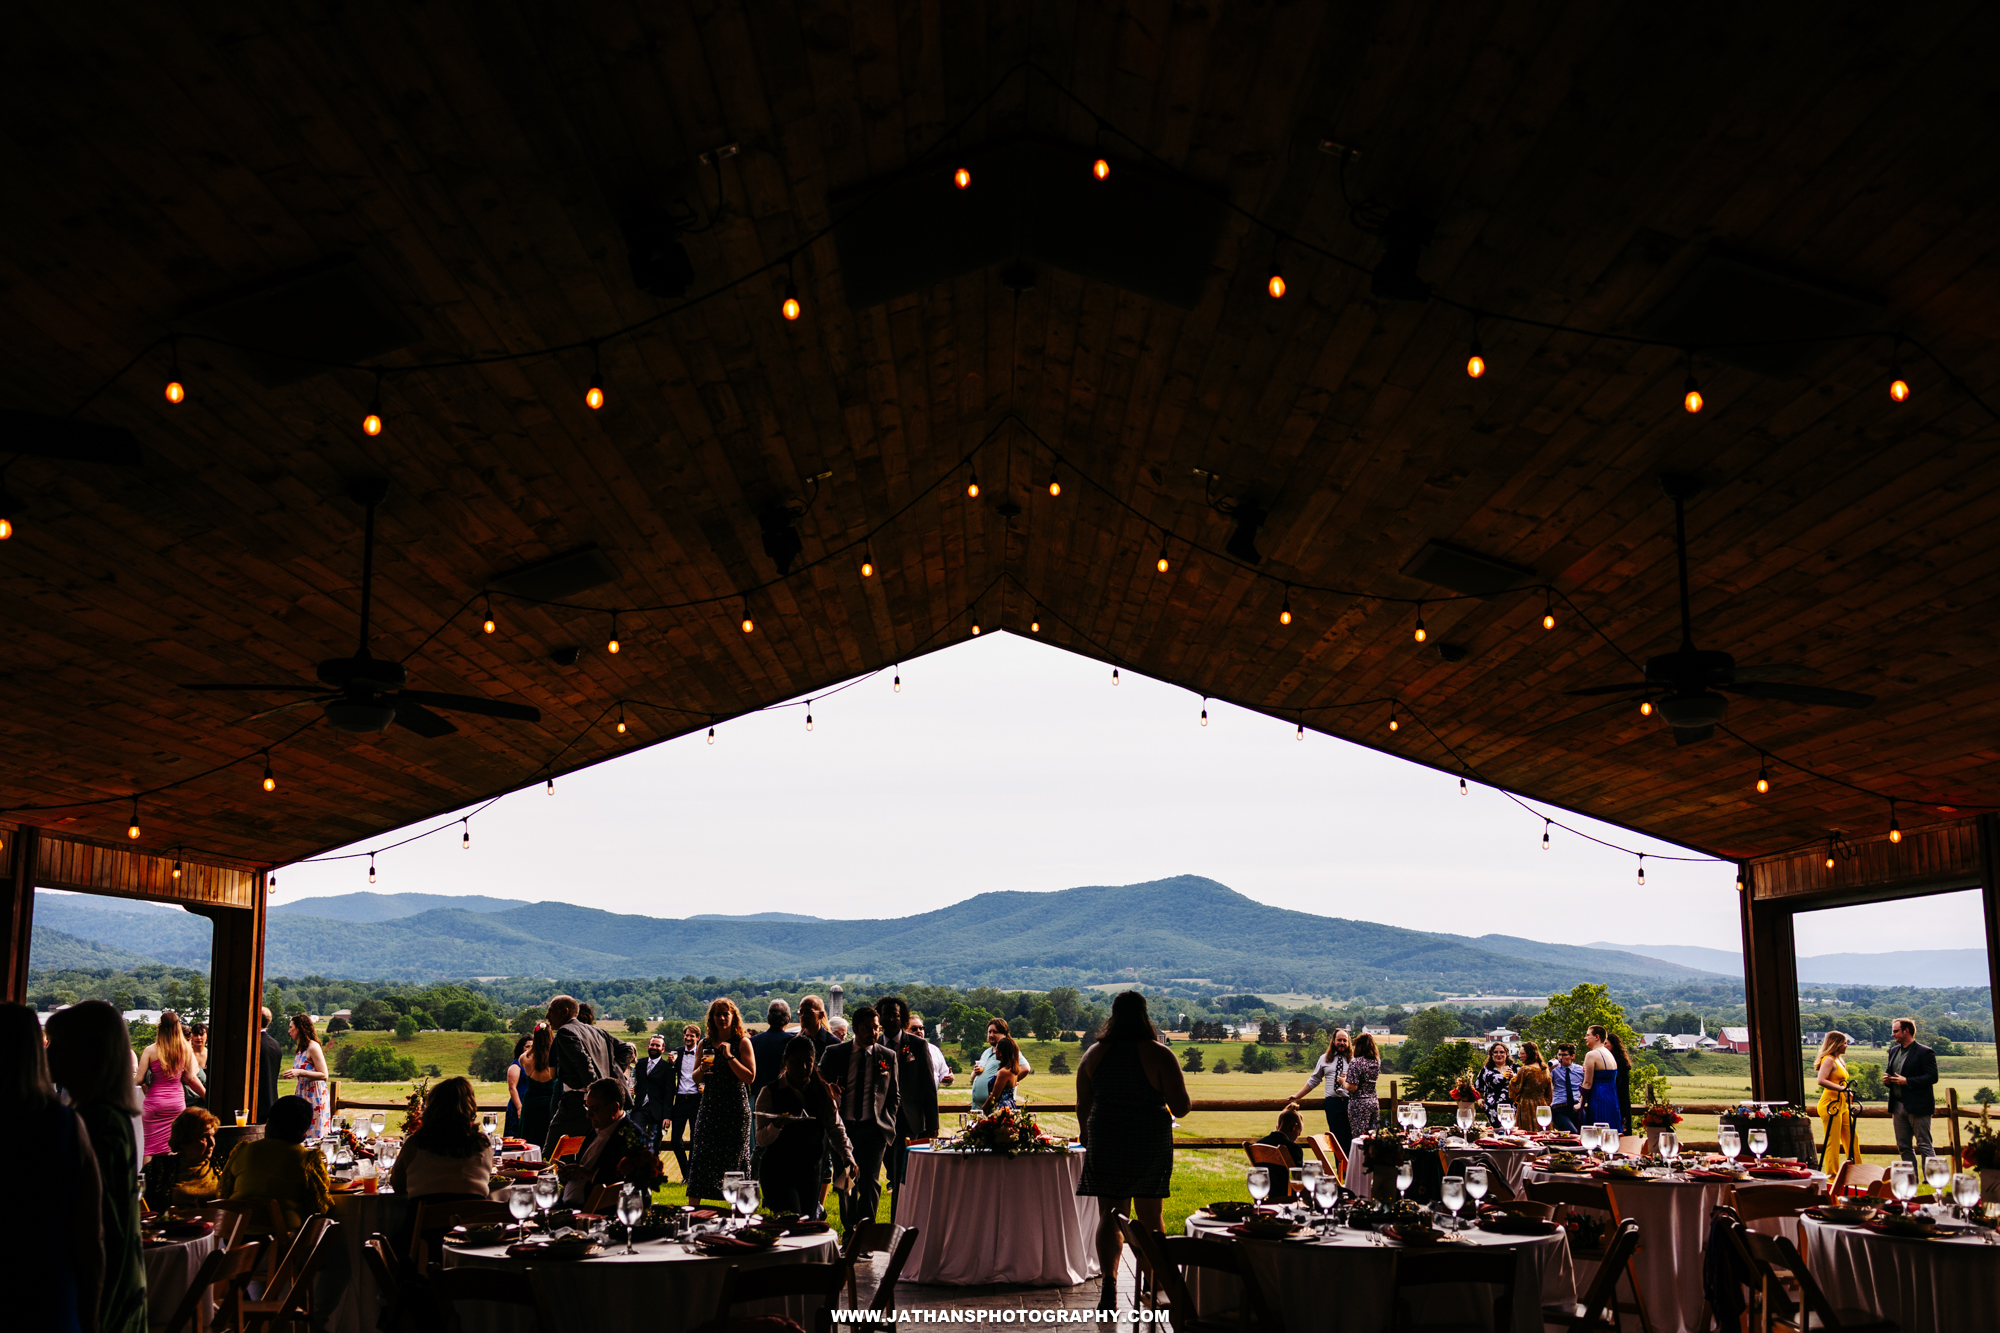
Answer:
[(1659, 1115), (642, 1168), (1463, 1090), (1382, 1150), (355, 1145), (1759, 1111), (1982, 1148), (1009, 1132), (413, 1115)]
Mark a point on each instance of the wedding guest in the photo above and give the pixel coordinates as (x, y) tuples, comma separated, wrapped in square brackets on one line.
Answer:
[(838, 1026), (184, 1175), (1494, 1079), (581, 1054), (1531, 1088), (1128, 1090), (623, 1056), (653, 1090), (769, 1046), (988, 1063), (1000, 1091), (1331, 1069), (270, 1058), (197, 1035), (448, 1157), (686, 1104), (940, 1071), (308, 1072), (864, 1071), (722, 1125), (1286, 1138), (1836, 1102), (1600, 1081), (512, 1127), (279, 1168), (538, 1085), (90, 1057), (798, 1123), (1566, 1084), (59, 1243), (1616, 1046), (167, 1071), (1912, 1077), (1363, 1109), (813, 1023), (615, 1141), (916, 1089)]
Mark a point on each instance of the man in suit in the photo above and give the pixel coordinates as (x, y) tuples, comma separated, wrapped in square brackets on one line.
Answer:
[(1911, 1080), (654, 1084), (769, 1048), (270, 1059), (916, 1090), (864, 1071), (581, 1055), (685, 1103), (614, 1140)]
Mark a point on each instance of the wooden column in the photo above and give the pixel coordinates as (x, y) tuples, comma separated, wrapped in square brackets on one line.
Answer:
[(1771, 992), (17, 901), (236, 991), (1989, 898)]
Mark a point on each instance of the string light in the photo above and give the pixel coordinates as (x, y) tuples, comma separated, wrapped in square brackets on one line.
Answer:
[(6, 529), (465, 841), (790, 309), (1114, 675), (270, 781), (972, 487), (867, 564), (961, 178), (809, 715), (272, 884), (1302, 726), (372, 423), (1100, 169), (176, 391), (1463, 790), (1895, 829), (1642, 870), (1285, 611), (1899, 388), (1421, 636), (1394, 725), (1275, 285), (975, 628), (1035, 625), (1204, 710), (489, 626), (1645, 708), (621, 719), (1691, 399), (749, 626), (1545, 835), (612, 645), (1549, 610), (1475, 359), (1831, 846), (552, 786), (1055, 484), (897, 684), (1763, 774), (177, 867), (593, 397), (1163, 564), (371, 867), (132, 829)]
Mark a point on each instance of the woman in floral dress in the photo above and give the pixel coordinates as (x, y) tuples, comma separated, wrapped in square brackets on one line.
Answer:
[(1363, 1110), (1494, 1081), (309, 1071), (722, 1125)]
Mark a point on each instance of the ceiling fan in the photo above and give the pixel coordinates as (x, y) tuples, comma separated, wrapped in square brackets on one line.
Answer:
[(1682, 684), (365, 694)]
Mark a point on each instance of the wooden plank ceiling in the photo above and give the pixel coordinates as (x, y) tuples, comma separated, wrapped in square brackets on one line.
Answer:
[(1579, 160)]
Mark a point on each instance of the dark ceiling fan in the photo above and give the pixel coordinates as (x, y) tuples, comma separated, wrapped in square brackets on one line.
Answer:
[(365, 694), (1682, 684)]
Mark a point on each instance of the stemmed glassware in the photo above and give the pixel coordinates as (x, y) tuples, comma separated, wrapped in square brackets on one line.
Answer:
[(1452, 1191), (1670, 1149), (730, 1180), (378, 1122), (1544, 1117), (1937, 1174), (1476, 1184), (1760, 1143), (1405, 1174), (1507, 1116), (632, 1203), (1903, 1180), (1309, 1174), (1258, 1178), (521, 1206), (1465, 1115), (1326, 1191), (1730, 1142), (1965, 1191), (547, 1190), (749, 1194)]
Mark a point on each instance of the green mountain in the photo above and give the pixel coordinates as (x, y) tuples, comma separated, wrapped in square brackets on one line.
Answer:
[(370, 907), (55, 951)]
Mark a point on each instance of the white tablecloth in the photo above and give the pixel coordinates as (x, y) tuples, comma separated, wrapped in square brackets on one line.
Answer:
[(169, 1269), (1926, 1286), (1513, 1162), (355, 1307), (1673, 1233), (1346, 1283), (662, 1288), (984, 1218)]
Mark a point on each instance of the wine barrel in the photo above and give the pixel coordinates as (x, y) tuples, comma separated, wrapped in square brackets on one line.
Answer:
[(1791, 1136)]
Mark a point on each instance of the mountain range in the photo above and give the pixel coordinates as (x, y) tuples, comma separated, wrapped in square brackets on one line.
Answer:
[(1187, 927)]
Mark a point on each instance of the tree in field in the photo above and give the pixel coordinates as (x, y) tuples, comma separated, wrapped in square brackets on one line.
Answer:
[(1865, 1081), (1191, 1062), (1985, 1097), (1432, 1077), (1682, 1022), (1269, 1033), (1568, 1015), (1222, 1066), (491, 1058), (380, 1064), (1045, 1022), (1424, 1031), (635, 1022), (1059, 1063), (406, 1028)]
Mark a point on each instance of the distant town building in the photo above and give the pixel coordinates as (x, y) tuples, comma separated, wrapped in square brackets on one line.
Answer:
[(1733, 1039), (1376, 1031)]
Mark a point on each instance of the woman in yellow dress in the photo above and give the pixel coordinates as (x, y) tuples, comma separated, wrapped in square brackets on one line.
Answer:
[(1835, 1110)]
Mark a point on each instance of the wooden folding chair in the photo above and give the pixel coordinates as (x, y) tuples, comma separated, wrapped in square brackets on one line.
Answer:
[(565, 1146), (1599, 1199), (1757, 1205), (288, 1298), (866, 1238), (1820, 1312), (226, 1270), (1167, 1256), (1487, 1267), (1332, 1157), (1598, 1310), (1278, 1160), (439, 1216), (227, 1221), (885, 1290), (1871, 1180), (1545, 1212), (748, 1286)]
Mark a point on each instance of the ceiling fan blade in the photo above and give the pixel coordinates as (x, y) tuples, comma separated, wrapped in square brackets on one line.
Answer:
[(1594, 713), (468, 703), (1774, 671), (1801, 694), (296, 703), (421, 719), (1611, 689), (1692, 735), (267, 689)]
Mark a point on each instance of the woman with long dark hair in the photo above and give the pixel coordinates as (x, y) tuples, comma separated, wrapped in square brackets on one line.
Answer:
[(308, 1071), (1494, 1081), (1364, 1107), (1007, 1055), (1128, 1091), (798, 1123), (57, 1244), (1532, 1087), (90, 1056), (447, 1157), (537, 1085), (722, 1125), (1624, 1063)]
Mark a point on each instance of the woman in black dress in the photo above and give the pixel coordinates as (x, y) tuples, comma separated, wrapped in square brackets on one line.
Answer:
[(537, 1086), (722, 1125), (798, 1123), (1128, 1091)]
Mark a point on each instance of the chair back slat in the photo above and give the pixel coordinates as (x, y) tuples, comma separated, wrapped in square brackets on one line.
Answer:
[(885, 1291), (1495, 1267), (1618, 1252), (1332, 1156), (441, 1215)]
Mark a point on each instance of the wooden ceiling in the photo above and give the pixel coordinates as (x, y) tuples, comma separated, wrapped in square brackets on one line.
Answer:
[(1578, 159)]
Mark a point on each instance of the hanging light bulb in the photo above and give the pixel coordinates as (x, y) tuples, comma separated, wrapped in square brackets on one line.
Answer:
[(1691, 398), (1100, 169), (867, 568), (1035, 625), (611, 646), (1285, 611), (1162, 564), (552, 786), (1829, 853), (176, 391), (1114, 675), (465, 839), (177, 867), (961, 178), (1275, 284), (371, 867), (1899, 388), (1463, 790), (1475, 360), (489, 626), (1055, 485), (270, 781), (790, 309), (975, 627), (372, 423), (809, 715), (1895, 829), (972, 487), (6, 529), (1549, 611), (593, 397), (897, 684), (1394, 725), (749, 625), (1204, 711), (1763, 776), (1420, 636), (1642, 870), (711, 735), (1545, 835), (1645, 708), (132, 829), (621, 719), (1302, 728)]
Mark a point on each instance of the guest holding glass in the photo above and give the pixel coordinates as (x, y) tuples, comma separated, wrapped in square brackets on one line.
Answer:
[(1129, 1089), (685, 1104), (1494, 1081), (722, 1126), (58, 1245), (1566, 1087), (511, 1125), (449, 1156), (279, 1169), (184, 1176), (1285, 1138), (1531, 1087), (1836, 1102), (1331, 1069), (1363, 1109), (90, 1057), (798, 1124), (167, 1071), (308, 1073)]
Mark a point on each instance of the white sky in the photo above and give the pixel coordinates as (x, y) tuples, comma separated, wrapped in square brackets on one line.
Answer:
[(1007, 764)]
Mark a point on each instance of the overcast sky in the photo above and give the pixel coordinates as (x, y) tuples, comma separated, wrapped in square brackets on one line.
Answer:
[(1007, 764)]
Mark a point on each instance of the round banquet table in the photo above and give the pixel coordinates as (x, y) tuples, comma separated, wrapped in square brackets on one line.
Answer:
[(1923, 1285), (170, 1266), (1346, 1281), (981, 1217), (662, 1288), (1513, 1163), (1673, 1233)]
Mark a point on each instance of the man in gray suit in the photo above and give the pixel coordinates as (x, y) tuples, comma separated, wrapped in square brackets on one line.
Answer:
[(865, 1073), (1912, 1075)]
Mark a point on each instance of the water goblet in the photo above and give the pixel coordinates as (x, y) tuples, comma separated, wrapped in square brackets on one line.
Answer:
[(379, 1122), (488, 1123), (1406, 1174), (1309, 1174), (1326, 1192), (1903, 1180), (1965, 1190), (1258, 1178), (729, 1192), (749, 1194), (1476, 1184), (1507, 1116), (521, 1206), (547, 1190), (1937, 1174), (1730, 1142), (363, 1128), (1544, 1117), (1670, 1149), (1465, 1114), (1452, 1191), (1760, 1143), (631, 1209)]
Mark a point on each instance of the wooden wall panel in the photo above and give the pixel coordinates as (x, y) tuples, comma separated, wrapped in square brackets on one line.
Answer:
[(1937, 859), (84, 867)]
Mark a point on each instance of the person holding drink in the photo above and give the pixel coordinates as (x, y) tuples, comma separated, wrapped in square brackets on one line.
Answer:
[(1836, 1102)]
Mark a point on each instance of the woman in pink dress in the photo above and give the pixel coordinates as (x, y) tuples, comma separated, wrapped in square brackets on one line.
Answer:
[(309, 1070), (166, 1068)]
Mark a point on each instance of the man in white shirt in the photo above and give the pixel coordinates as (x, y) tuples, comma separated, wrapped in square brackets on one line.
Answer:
[(940, 1071)]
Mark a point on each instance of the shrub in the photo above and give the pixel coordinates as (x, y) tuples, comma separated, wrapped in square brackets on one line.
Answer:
[(1221, 1066), (1191, 1062), (1985, 1097), (491, 1058), (1059, 1064), (635, 1022), (1866, 1081), (376, 1063), (406, 1028), (338, 1024)]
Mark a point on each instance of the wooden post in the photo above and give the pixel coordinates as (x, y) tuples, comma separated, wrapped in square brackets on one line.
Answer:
[(18, 904), (236, 993), (1771, 995), (1951, 1103), (1987, 828)]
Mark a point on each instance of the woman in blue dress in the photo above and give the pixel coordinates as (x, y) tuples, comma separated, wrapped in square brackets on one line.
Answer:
[(1600, 1082)]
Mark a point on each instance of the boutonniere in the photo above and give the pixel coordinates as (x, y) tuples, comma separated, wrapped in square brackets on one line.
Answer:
[(881, 1066)]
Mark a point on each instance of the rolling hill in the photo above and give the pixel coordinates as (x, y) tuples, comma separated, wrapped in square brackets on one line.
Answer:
[(1893, 967)]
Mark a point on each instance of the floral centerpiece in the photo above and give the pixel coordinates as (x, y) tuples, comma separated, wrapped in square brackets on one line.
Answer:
[(1464, 1091), (643, 1169), (353, 1144), (1660, 1116), (1982, 1154), (413, 1115), (1009, 1132)]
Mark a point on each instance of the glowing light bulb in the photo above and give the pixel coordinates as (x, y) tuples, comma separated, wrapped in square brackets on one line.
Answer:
[(1829, 860), (6, 529), (790, 309), (1394, 725), (1545, 835), (465, 842), (488, 625), (1204, 712), (1763, 779), (1302, 731), (552, 786), (132, 830), (1421, 635), (1475, 362), (1034, 627), (711, 735), (1642, 870), (372, 423), (1548, 620), (1899, 389), (270, 780), (1276, 285), (611, 646), (371, 870), (975, 629), (1162, 564), (1895, 830), (809, 716), (972, 488), (897, 685), (593, 397), (1285, 614), (621, 726), (749, 625), (176, 391), (1055, 485), (1646, 708), (1691, 399), (961, 178), (867, 569), (1463, 790), (177, 870), (1100, 168), (1114, 675)]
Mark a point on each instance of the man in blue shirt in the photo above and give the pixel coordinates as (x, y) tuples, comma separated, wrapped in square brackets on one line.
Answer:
[(1566, 1075)]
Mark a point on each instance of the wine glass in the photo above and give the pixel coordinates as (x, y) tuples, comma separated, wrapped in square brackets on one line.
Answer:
[(521, 1206), (1452, 1191), (729, 1183), (487, 1123), (631, 1208), (1507, 1116), (1309, 1173), (1730, 1142), (749, 1194), (1326, 1191), (1405, 1175), (547, 1190), (1258, 1178), (1465, 1114), (1476, 1184), (363, 1128), (1670, 1149), (1760, 1143), (1544, 1117), (1903, 1180), (1937, 1174), (379, 1123), (1965, 1189)]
